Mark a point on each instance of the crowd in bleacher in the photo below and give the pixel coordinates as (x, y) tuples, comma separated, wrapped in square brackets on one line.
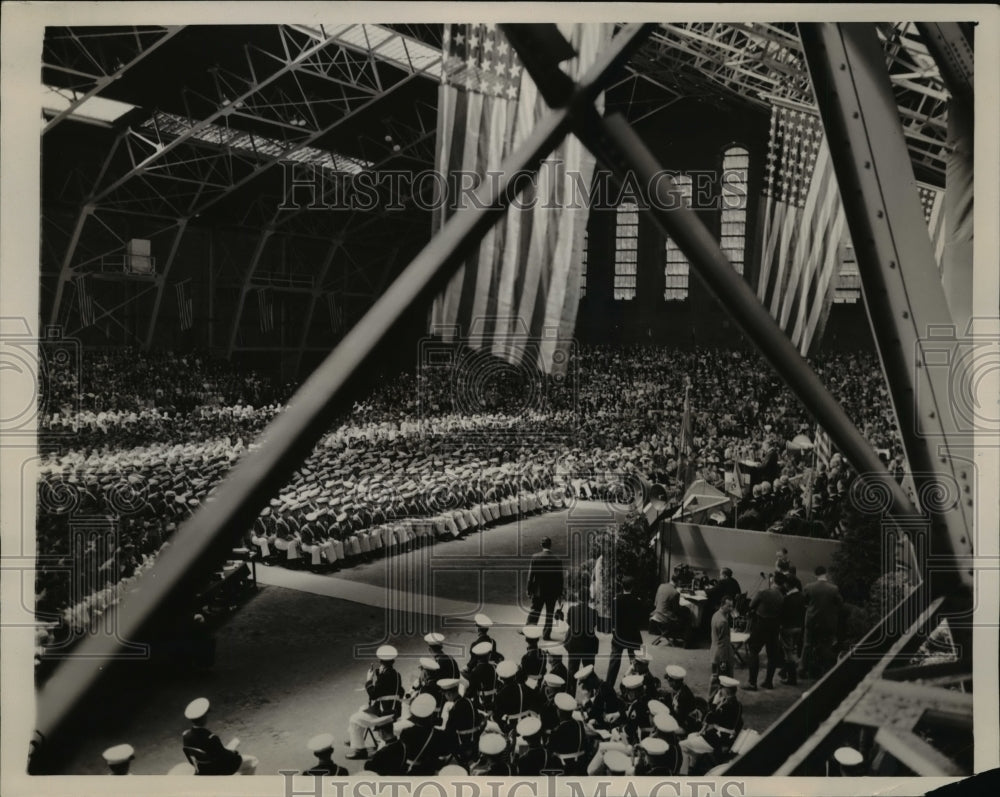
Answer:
[(431, 456)]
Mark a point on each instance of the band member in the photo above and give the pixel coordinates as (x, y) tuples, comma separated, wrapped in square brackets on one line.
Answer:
[(460, 719), (536, 758), (447, 664), (205, 750), (322, 747), (384, 686), (569, 741)]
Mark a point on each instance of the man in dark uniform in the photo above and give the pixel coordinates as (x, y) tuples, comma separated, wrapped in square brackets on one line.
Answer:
[(668, 729), (601, 707), (206, 751), (492, 747), (483, 626), (426, 745), (427, 681), (554, 654), (536, 758), (552, 685), (650, 683), (545, 585), (569, 741), (447, 664), (533, 660), (460, 720), (636, 720), (384, 686), (483, 679), (680, 699), (722, 724), (322, 747), (390, 758), (514, 700), (654, 758)]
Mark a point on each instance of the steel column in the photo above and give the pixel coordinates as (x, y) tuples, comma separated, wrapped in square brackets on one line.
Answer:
[(902, 287)]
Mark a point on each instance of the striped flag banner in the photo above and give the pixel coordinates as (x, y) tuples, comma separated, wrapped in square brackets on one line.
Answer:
[(265, 307), (517, 296), (85, 301), (336, 313), (803, 225), (932, 202), (185, 306), (824, 448)]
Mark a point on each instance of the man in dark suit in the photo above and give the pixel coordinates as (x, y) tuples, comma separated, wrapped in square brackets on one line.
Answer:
[(627, 614), (823, 605), (545, 585)]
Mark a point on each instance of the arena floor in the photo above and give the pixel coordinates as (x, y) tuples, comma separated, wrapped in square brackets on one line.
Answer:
[(292, 661)]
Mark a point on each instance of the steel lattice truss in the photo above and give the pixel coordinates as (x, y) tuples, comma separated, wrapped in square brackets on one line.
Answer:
[(292, 99), (759, 63)]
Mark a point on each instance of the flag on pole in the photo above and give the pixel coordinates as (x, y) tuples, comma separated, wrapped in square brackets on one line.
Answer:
[(336, 312), (85, 301), (803, 225), (734, 481), (685, 441), (185, 306), (517, 295), (824, 448)]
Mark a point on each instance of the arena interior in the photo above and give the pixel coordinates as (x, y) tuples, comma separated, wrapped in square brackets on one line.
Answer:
[(615, 488)]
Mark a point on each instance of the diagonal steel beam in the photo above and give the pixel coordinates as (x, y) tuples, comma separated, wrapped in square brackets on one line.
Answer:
[(103, 81), (902, 286)]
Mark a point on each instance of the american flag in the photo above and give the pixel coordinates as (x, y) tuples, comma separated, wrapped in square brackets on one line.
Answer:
[(803, 225), (824, 448), (932, 203), (519, 293), (265, 308), (185, 306), (86, 302)]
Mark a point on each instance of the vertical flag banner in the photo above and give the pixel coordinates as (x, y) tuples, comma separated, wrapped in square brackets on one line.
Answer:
[(803, 226), (265, 307), (185, 306), (86, 302), (518, 294), (824, 448)]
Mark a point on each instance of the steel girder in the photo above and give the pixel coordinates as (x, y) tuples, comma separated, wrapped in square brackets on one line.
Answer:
[(323, 185), (90, 59), (190, 163), (903, 291), (751, 63)]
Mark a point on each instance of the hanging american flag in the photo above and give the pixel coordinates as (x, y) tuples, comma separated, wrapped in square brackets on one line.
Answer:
[(803, 226), (265, 307), (185, 306), (85, 301), (518, 293), (824, 448), (932, 203)]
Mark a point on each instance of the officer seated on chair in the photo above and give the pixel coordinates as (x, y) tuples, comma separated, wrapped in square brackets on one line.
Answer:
[(206, 752), (384, 686), (721, 727), (119, 758)]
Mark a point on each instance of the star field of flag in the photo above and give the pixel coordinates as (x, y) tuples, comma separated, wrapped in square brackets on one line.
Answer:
[(480, 59), (791, 157)]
